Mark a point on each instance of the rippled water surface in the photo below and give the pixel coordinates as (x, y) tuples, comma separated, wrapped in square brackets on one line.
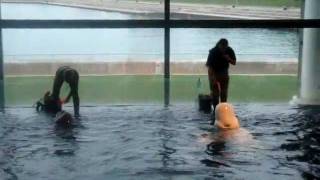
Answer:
[(144, 142)]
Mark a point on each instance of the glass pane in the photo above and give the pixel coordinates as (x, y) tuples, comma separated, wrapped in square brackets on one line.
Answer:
[(117, 66), (81, 9), (236, 9), (266, 69)]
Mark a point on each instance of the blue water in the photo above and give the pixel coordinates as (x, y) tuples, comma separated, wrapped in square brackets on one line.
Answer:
[(45, 45), (152, 142)]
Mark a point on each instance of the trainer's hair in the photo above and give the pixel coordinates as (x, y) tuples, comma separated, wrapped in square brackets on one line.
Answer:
[(224, 42)]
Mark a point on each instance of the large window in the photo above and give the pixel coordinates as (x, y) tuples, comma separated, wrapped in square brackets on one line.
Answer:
[(266, 70), (133, 51), (117, 66)]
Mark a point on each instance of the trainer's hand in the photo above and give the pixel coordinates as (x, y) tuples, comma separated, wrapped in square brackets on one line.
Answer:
[(64, 101), (226, 57), (229, 59)]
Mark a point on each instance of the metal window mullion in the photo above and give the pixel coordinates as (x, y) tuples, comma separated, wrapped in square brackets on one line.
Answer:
[(164, 23), (2, 98), (167, 52), (300, 48)]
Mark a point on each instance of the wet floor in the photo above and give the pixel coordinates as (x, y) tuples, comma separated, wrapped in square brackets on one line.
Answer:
[(142, 142)]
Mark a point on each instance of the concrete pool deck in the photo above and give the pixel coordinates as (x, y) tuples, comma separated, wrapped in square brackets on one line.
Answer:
[(146, 68), (178, 10)]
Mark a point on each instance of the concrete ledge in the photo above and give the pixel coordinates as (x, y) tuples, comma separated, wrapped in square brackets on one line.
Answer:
[(145, 68)]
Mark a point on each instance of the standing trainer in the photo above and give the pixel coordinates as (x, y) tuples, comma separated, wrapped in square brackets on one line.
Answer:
[(218, 70)]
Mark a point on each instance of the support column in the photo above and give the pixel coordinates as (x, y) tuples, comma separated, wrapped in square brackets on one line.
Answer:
[(310, 65)]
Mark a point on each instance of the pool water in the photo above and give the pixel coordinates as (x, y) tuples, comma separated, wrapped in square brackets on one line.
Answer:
[(153, 142)]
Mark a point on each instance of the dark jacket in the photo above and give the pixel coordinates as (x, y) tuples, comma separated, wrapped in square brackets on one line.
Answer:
[(217, 62)]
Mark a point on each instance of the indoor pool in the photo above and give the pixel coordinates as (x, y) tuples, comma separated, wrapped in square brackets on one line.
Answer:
[(153, 142)]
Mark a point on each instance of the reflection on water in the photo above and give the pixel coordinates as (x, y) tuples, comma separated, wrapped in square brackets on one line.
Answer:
[(144, 142), (305, 140)]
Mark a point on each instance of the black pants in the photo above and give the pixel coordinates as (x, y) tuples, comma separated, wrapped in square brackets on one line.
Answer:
[(219, 84)]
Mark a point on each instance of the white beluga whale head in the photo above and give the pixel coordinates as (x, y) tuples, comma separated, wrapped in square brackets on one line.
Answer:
[(225, 117), (228, 129)]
